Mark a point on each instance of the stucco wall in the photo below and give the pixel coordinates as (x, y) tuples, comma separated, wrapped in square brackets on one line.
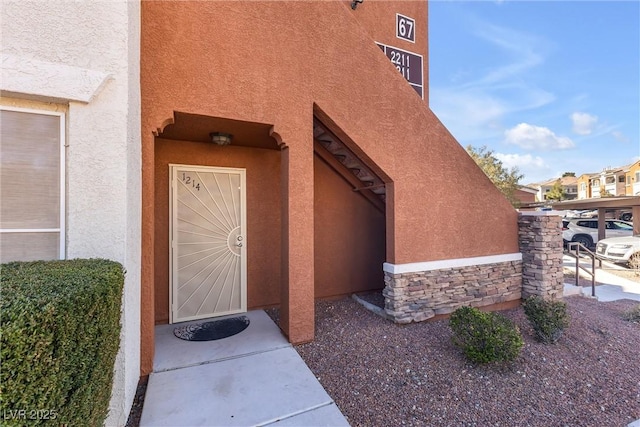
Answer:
[(281, 62), (276, 59), (98, 40), (349, 237)]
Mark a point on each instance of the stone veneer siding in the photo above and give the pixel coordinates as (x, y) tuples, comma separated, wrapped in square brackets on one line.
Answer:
[(418, 296), (540, 236)]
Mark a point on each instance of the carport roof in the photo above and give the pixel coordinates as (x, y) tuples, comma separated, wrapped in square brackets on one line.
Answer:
[(604, 202)]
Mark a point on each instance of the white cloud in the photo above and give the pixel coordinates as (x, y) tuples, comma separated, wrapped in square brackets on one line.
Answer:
[(475, 114), (469, 115), (520, 161), (619, 136), (583, 123), (532, 137), (477, 101), (523, 50)]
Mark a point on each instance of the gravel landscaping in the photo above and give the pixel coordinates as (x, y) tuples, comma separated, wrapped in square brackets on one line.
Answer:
[(383, 374)]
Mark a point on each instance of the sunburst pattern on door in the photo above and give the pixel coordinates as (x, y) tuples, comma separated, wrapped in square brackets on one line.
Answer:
[(208, 245)]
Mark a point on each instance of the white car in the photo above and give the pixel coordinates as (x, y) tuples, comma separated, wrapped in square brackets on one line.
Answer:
[(620, 250), (585, 231)]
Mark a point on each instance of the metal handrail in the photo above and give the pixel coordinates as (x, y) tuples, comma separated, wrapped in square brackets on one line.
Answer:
[(576, 246)]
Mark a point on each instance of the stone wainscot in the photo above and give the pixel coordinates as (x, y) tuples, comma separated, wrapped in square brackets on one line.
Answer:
[(419, 291)]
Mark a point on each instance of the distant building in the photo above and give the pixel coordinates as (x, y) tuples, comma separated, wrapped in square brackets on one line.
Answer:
[(584, 185), (612, 181), (632, 184), (569, 185), (526, 194)]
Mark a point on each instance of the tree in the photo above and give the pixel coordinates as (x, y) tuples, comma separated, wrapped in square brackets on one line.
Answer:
[(605, 193), (505, 179), (573, 174), (556, 192)]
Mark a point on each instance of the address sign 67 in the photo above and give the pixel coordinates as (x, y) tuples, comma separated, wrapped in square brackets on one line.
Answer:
[(405, 28)]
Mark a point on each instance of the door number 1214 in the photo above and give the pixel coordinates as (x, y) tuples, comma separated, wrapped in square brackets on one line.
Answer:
[(187, 180)]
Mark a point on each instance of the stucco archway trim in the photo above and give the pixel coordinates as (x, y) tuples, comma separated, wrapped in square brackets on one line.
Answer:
[(157, 131)]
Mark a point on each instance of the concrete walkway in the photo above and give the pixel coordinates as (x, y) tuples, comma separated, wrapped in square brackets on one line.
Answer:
[(609, 287), (254, 378)]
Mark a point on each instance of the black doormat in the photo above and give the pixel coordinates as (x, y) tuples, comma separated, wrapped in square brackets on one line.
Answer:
[(212, 330)]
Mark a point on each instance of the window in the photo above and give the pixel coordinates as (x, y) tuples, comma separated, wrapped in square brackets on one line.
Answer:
[(637, 176), (628, 179), (595, 183), (610, 180), (587, 224), (583, 186), (621, 179), (621, 226), (31, 185)]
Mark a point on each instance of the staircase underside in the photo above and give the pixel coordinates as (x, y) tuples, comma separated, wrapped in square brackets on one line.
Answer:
[(349, 165)]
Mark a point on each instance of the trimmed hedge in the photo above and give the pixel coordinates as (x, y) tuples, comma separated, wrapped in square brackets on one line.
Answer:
[(60, 333)]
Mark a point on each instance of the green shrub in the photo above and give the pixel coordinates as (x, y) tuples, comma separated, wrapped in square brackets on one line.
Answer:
[(59, 335), (633, 315), (547, 318), (485, 336), (634, 263)]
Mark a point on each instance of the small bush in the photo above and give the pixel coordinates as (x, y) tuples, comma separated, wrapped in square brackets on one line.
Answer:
[(547, 318), (634, 263), (59, 335), (633, 315), (485, 337)]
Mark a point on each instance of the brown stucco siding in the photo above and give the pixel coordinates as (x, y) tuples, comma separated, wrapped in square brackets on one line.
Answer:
[(242, 73), (349, 242), (349, 237), (263, 215), (275, 62)]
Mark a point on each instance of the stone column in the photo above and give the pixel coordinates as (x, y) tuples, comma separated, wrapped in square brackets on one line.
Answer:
[(540, 237)]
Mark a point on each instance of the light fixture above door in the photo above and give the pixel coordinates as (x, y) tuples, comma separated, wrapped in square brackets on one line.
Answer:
[(221, 138)]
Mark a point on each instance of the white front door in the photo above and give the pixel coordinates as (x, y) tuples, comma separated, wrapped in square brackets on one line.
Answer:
[(208, 244)]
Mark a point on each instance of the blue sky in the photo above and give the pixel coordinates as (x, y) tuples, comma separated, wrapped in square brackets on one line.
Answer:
[(550, 86)]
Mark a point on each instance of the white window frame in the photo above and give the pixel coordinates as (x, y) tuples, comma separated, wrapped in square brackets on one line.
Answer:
[(63, 183)]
